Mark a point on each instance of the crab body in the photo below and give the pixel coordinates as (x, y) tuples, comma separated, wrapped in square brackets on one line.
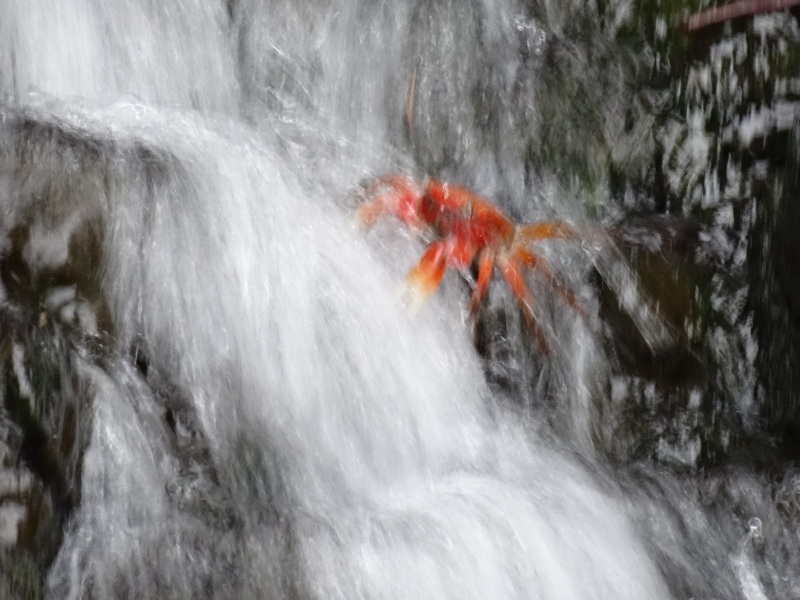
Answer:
[(465, 227)]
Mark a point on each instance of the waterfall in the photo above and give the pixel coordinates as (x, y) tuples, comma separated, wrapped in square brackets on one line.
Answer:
[(255, 411)]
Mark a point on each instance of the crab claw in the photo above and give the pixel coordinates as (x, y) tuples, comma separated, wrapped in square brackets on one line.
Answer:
[(424, 278), (396, 195)]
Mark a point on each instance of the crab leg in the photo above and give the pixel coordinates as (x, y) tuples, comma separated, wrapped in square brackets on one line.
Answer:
[(426, 275), (368, 214), (485, 266), (395, 195), (529, 259), (512, 273), (546, 230)]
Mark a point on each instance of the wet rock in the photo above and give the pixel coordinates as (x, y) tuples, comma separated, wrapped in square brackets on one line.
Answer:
[(775, 299), (47, 413), (721, 141), (662, 252), (26, 519), (26, 511), (60, 348), (54, 197)]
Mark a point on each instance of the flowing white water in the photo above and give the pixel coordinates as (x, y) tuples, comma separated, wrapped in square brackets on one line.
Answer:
[(369, 436), (325, 443)]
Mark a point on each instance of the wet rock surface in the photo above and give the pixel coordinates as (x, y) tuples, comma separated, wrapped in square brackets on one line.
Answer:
[(45, 421), (58, 342)]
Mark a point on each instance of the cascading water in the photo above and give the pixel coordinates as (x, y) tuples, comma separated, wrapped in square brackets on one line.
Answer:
[(242, 404)]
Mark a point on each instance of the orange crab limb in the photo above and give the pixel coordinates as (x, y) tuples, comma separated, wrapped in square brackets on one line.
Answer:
[(368, 214), (455, 251), (511, 272), (529, 259), (396, 195), (546, 230), (485, 267), (427, 274)]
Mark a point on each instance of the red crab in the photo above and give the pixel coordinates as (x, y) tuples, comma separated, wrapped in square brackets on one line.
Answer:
[(466, 227)]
